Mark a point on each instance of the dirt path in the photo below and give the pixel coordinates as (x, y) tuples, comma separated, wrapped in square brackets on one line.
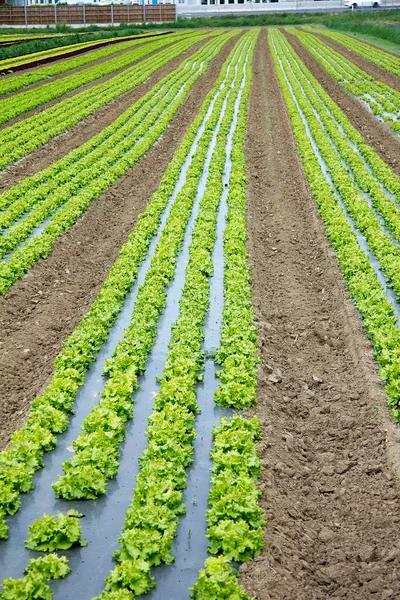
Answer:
[(384, 141), (328, 490), (86, 129), (41, 310)]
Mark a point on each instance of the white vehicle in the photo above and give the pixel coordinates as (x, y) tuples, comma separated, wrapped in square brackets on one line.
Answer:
[(362, 3)]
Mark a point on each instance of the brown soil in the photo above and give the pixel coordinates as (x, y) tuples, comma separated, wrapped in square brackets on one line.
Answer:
[(42, 309), (377, 72), (83, 131), (384, 141), (328, 490)]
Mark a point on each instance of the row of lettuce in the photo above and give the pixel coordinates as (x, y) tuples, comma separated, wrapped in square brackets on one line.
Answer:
[(379, 57), (21, 138), (352, 162), (368, 187), (17, 82), (147, 538), (64, 190), (353, 169), (17, 104), (234, 518), (104, 427), (9, 64), (382, 100), (49, 413)]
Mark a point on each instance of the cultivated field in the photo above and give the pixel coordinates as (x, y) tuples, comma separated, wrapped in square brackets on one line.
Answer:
[(199, 317)]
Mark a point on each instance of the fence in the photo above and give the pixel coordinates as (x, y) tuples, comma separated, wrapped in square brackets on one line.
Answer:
[(87, 14), (247, 7)]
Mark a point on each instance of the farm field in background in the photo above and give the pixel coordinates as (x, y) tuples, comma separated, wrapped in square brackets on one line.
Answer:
[(199, 317)]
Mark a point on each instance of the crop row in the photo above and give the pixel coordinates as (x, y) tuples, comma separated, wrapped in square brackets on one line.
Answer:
[(73, 172), (234, 519), (383, 59), (372, 174), (49, 413), (33, 132), (12, 84), (237, 353), (42, 194), (367, 292), (349, 171), (74, 200), (383, 101), (9, 63), (18, 104), (152, 518), (22, 197), (181, 373), (368, 170), (11, 37), (130, 357), (96, 157)]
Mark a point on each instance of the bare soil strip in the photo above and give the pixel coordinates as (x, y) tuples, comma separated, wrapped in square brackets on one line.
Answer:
[(42, 309), (377, 72), (86, 129), (328, 490), (384, 141)]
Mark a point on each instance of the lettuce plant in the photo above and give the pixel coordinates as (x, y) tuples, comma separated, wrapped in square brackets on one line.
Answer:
[(55, 533)]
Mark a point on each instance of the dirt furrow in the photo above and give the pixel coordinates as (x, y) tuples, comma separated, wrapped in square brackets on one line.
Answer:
[(382, 139), (42, 309), (329, 493)]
